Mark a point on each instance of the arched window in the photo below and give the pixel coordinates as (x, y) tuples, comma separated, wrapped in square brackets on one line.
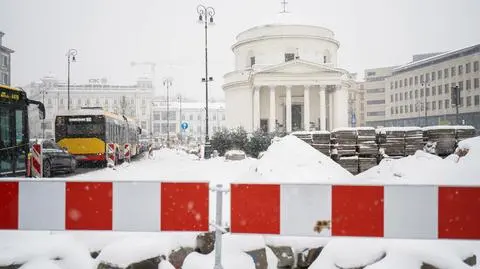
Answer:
[(250, 59)]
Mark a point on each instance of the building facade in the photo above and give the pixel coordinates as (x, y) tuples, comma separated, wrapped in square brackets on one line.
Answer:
[(373, 89), (419, 93), (190, 112), (286, 78), (5, 63), (134, 101)]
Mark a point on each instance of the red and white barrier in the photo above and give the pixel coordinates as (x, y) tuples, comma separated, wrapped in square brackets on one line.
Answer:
[(407, 211), (111, 154), (37, 160), (118, 206), (127, 152)]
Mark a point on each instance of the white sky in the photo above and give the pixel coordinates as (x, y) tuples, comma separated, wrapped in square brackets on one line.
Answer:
[(109, 34)]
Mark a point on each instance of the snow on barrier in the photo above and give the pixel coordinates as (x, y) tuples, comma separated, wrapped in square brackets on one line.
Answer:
[(118, 206), (396, 211), (37, 160)]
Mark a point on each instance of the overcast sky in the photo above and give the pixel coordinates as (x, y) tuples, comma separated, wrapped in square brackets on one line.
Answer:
[(110, 34)]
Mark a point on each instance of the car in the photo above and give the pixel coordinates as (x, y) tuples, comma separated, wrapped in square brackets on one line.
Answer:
[(56, 159)]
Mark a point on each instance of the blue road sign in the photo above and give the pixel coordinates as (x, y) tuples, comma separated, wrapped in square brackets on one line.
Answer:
[(184, 125)]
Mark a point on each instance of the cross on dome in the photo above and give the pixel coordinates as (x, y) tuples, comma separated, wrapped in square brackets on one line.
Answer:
[(284, 4)]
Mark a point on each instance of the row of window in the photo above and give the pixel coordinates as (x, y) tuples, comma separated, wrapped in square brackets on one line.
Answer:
[(4, 79), (442, 104), (426, 78), (291, 57), (435, 90), (162, 115)]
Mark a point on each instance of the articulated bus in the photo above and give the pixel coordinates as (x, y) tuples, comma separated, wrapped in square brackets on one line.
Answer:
[(14, 136), (86, 132)]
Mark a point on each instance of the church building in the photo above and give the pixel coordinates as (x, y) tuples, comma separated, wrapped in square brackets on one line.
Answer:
[(286, 78)]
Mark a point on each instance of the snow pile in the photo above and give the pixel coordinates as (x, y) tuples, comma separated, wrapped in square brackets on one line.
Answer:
[(424, 168), (230, 260), (40, 264), (290, 159)]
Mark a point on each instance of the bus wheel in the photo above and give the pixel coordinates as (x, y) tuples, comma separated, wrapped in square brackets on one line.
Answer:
[(47, 169)]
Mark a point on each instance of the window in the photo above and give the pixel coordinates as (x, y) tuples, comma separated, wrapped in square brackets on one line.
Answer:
[(477, 100), (371, 74), (61, 101), (214, 117), (252, 61), (5, 61), (427, 77), (291, 56), (400, 97), (439, 74), (416, 107), (106, 101), (156, 115), (411, 94), (391, 98), (460, 70), (405, 82), (396, 110), (476, 83), (391, 111), (401, 82), (452, 71), (376, 113), (391, 85), (379, 90), (401, 109), (445, 73), (5, 78), (446, 89), (434, 105), (49, 101), (460, 85), (416, 94), (79, 102), (475, 66), (406, 95), (468, 84), (440, 104), (376, 102), (410, 82), (199, 117), (447, 103), (461, 101), (411, 108), (421, 92), (433, 76), (440, 90), (434, 91), (416, 80), (469, 101), (191, 117), (427, 92), (468, 68), (396, 84), (396, 97), (421, 79), (223, 115)]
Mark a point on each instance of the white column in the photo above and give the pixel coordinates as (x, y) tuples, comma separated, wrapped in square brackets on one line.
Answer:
[(271, 121), (306, 108), (330, 110), (323, 109), (256, 108), (288, 104), (341, 107)]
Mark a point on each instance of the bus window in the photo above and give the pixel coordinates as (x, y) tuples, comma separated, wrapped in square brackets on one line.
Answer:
[(6, 157), (20, 140)]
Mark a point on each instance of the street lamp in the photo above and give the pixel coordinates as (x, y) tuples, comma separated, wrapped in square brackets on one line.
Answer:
[(43, 91), (205, 16), (71, 57), (167, 82)]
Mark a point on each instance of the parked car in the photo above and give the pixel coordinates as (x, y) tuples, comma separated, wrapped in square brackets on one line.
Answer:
[(56, 159)]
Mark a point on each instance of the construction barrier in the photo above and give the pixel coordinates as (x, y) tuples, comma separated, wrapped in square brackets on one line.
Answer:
[(128, 152), (394, 211), (111, 206), (37, 160), (384, 211), (111, 154)]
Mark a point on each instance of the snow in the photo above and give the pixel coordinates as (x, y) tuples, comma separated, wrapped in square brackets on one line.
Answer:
[(449, 127), (292, 160), (398, 129), (289, 160), (272, 259), (344, 129)]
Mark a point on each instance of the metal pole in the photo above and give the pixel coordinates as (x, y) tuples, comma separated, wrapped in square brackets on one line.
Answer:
[(206, 80), (426, 105), (168, 117), (457, 101), (68, 83), (218, 232), (43, 120)]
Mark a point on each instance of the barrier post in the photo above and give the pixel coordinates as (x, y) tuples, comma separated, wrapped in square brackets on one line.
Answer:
[(37, 160), (111, 154), (218, 227)]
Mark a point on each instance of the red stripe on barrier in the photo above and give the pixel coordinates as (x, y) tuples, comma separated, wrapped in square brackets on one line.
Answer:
[(36, 164), (9, 205), (357, 211), (184, 206), (88, 206), (459, 212), (37, 148), (255, 208)]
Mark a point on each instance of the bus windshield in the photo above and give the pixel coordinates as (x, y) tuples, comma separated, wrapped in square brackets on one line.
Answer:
[(85, 129)]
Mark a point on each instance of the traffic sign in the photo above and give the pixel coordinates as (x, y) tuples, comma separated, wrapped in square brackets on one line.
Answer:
[(184, 125)]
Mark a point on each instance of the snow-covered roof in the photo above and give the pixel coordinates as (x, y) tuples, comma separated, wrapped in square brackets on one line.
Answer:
[(447, 127), (344, 129), (399, 129)]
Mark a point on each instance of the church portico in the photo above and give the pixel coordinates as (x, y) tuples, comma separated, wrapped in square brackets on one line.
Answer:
[(291, 95)]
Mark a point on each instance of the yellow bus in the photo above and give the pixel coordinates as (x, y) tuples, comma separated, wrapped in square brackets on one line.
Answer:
[(14, 136), (86, 133)]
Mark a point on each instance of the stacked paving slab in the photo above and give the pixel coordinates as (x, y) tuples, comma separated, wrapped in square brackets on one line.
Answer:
[(321, 141), (443, 139), (413, 140), (367, 148), (344, 142), (391, 141)]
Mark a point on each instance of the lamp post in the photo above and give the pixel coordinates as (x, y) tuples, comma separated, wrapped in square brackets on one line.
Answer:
[(205, 16), (71, 57), (167, 82), (43, 91)]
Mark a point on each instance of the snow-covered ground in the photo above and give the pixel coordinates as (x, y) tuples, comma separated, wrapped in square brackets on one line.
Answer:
[(287, 160)]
